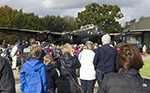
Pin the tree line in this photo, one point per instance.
(105, 16)
(13, 18)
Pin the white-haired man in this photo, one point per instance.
(105, 59)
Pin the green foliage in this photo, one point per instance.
(131, 22)
(105, 16)
(145, 70)
(6, 16)
(12, 18)
(11, 38)
(17, 19)
(72, 24)
(54, 23)
(2, 36)
(26, 21)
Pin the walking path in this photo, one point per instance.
(17, 81)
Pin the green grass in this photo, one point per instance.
(145, 71)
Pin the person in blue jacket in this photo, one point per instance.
(33, 73)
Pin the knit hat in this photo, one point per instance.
(106, 39)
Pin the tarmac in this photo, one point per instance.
(147, 57)
(17, 77)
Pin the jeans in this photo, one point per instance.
(99, 77)
(87, 85)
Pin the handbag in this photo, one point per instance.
(79, 89)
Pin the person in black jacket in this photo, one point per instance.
(26, 51)
(105, 59)
(7, 82)
(71, 63)
(128, 80)
(51, 74)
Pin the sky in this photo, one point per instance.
(131, 9)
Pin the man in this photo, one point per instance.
(26, 51)
(7, 82)
(105, 59)
(14, 55)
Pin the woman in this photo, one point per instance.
(144, 50)
(33, 73)
(71, 63)
(128, 80)
(87, 71)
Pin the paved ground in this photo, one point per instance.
(17, 77)
(17, 80)
(147, 57)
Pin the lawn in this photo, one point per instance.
(145, 71)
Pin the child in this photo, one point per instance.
(51, 74)
(33, 74)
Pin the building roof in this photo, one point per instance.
(142, 25)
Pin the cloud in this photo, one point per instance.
(136, 12)
(120, 3)
(132, 9)
(59, 4)
(72, 12)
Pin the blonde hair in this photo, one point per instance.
(35, 51)
(89, 45)
(47, 59)
(67, 49)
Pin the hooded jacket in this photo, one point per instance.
(126, 81)
(65, 83)
(51, 76)
(33, 77)
(72, 63)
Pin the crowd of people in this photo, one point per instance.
(67, 68)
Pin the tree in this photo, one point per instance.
(17, 21)
(6, 16)
(105, 16)
(71, 23)
(131, 22)
(13, 18)
(30, 21)
(54, 23)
